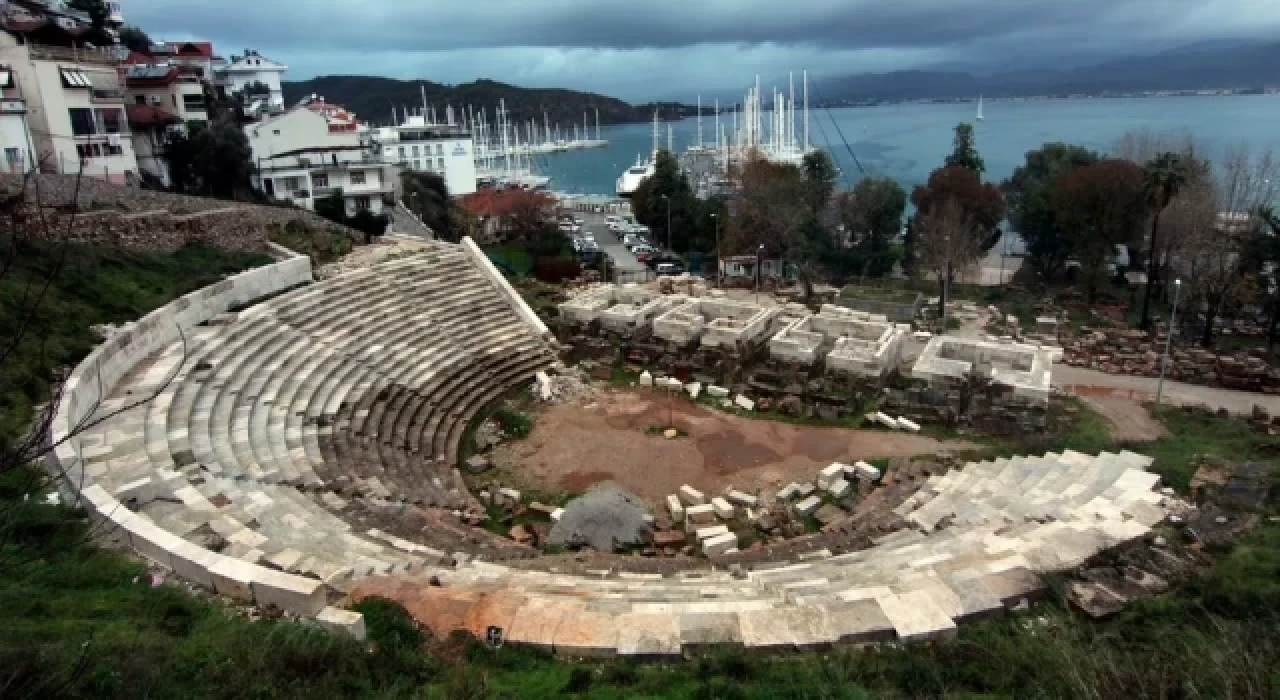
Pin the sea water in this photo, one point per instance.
(907, 141)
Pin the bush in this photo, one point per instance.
(514, 423)
(556, 270)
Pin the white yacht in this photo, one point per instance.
(636, 174)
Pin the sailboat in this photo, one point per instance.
(979, 117)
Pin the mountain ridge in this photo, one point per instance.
(372, 98)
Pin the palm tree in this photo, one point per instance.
(1164, 177)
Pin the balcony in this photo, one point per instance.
(13, 105)
(41, 52)
(106, 96)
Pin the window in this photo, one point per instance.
(289, 184)
(402, 155)
(417, 165)
(193, 103)
(113, 150)
(140, 99)
(440, 164)
(74, 78)
(439, 149)
(112, 120)
(357, 177)
(415, 152)
(13, 156)
(81, 121)
(362, 203)
(319, 180)
(83, 150)
(6, 77)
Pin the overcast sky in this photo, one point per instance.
(645, 49)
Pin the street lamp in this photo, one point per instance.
(946, 284)
(716, 220)
(1168, 340)
(667, 199)
(759, 271)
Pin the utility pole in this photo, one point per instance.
(1168, 340)
(716, 220)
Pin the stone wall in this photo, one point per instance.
(1135, 352)
(990, 408)
(138, 219)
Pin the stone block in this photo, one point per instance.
(742, 499)
(704, 533)
(646, 379)
(340, 621)
(724, 509)
(717, 392)
(839, 488)
(304, 596)
(543, 384)
(744, 403)
(908, 424)
(866, 471)
(676, 508)
(140, 491)
(808, 506)
(887, 420)
(557, 514)
(509, 495)
(804, 489)
(720, 544)
(233, 577)
(692, 496)
(670, 384)
(788, 492)
(915, 617)
(694, 389)
(669, 538)
(830, 474)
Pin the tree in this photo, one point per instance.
(820, 179)
(965, 153)
(334, 208)
(1028, 194)
(135, 40)
(99, 33)
(956, 215)
(872, 216)
(427, 196)
(211, 160)
(1163, 178)
(523, 216)
(1230, 225)
(667, 187)
(1100, 206)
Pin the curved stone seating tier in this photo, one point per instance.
(267, 422)
(982, 535)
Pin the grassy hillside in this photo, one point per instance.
(372, 98)
(76, 287)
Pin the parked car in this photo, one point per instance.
(669, 268)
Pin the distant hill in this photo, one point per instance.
(1202, 66)
(372, 98)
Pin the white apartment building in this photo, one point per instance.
(15, 137)
(253, 67)
(315, 149)
(444, 149)
(175, 89)
(74, 106)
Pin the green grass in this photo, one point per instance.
(1194, 434)
(511, 259)
(323, 245)
(86, 286)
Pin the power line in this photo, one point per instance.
(846, 141)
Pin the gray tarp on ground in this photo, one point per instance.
(606, 517)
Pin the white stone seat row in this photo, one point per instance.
(912, 585)
(247, 411)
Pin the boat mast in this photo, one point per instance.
(597, 123)
(699, 121)
(806, 111)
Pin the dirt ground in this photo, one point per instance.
(1130, 420)
(574, 446)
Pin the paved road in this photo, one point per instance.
(1083, 381)
(623, 260)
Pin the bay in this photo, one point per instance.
(907, 141)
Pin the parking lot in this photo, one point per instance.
(627, 267)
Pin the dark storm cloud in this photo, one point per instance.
(602, 40)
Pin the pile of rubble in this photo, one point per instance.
(1135, 352)
(563, 385)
